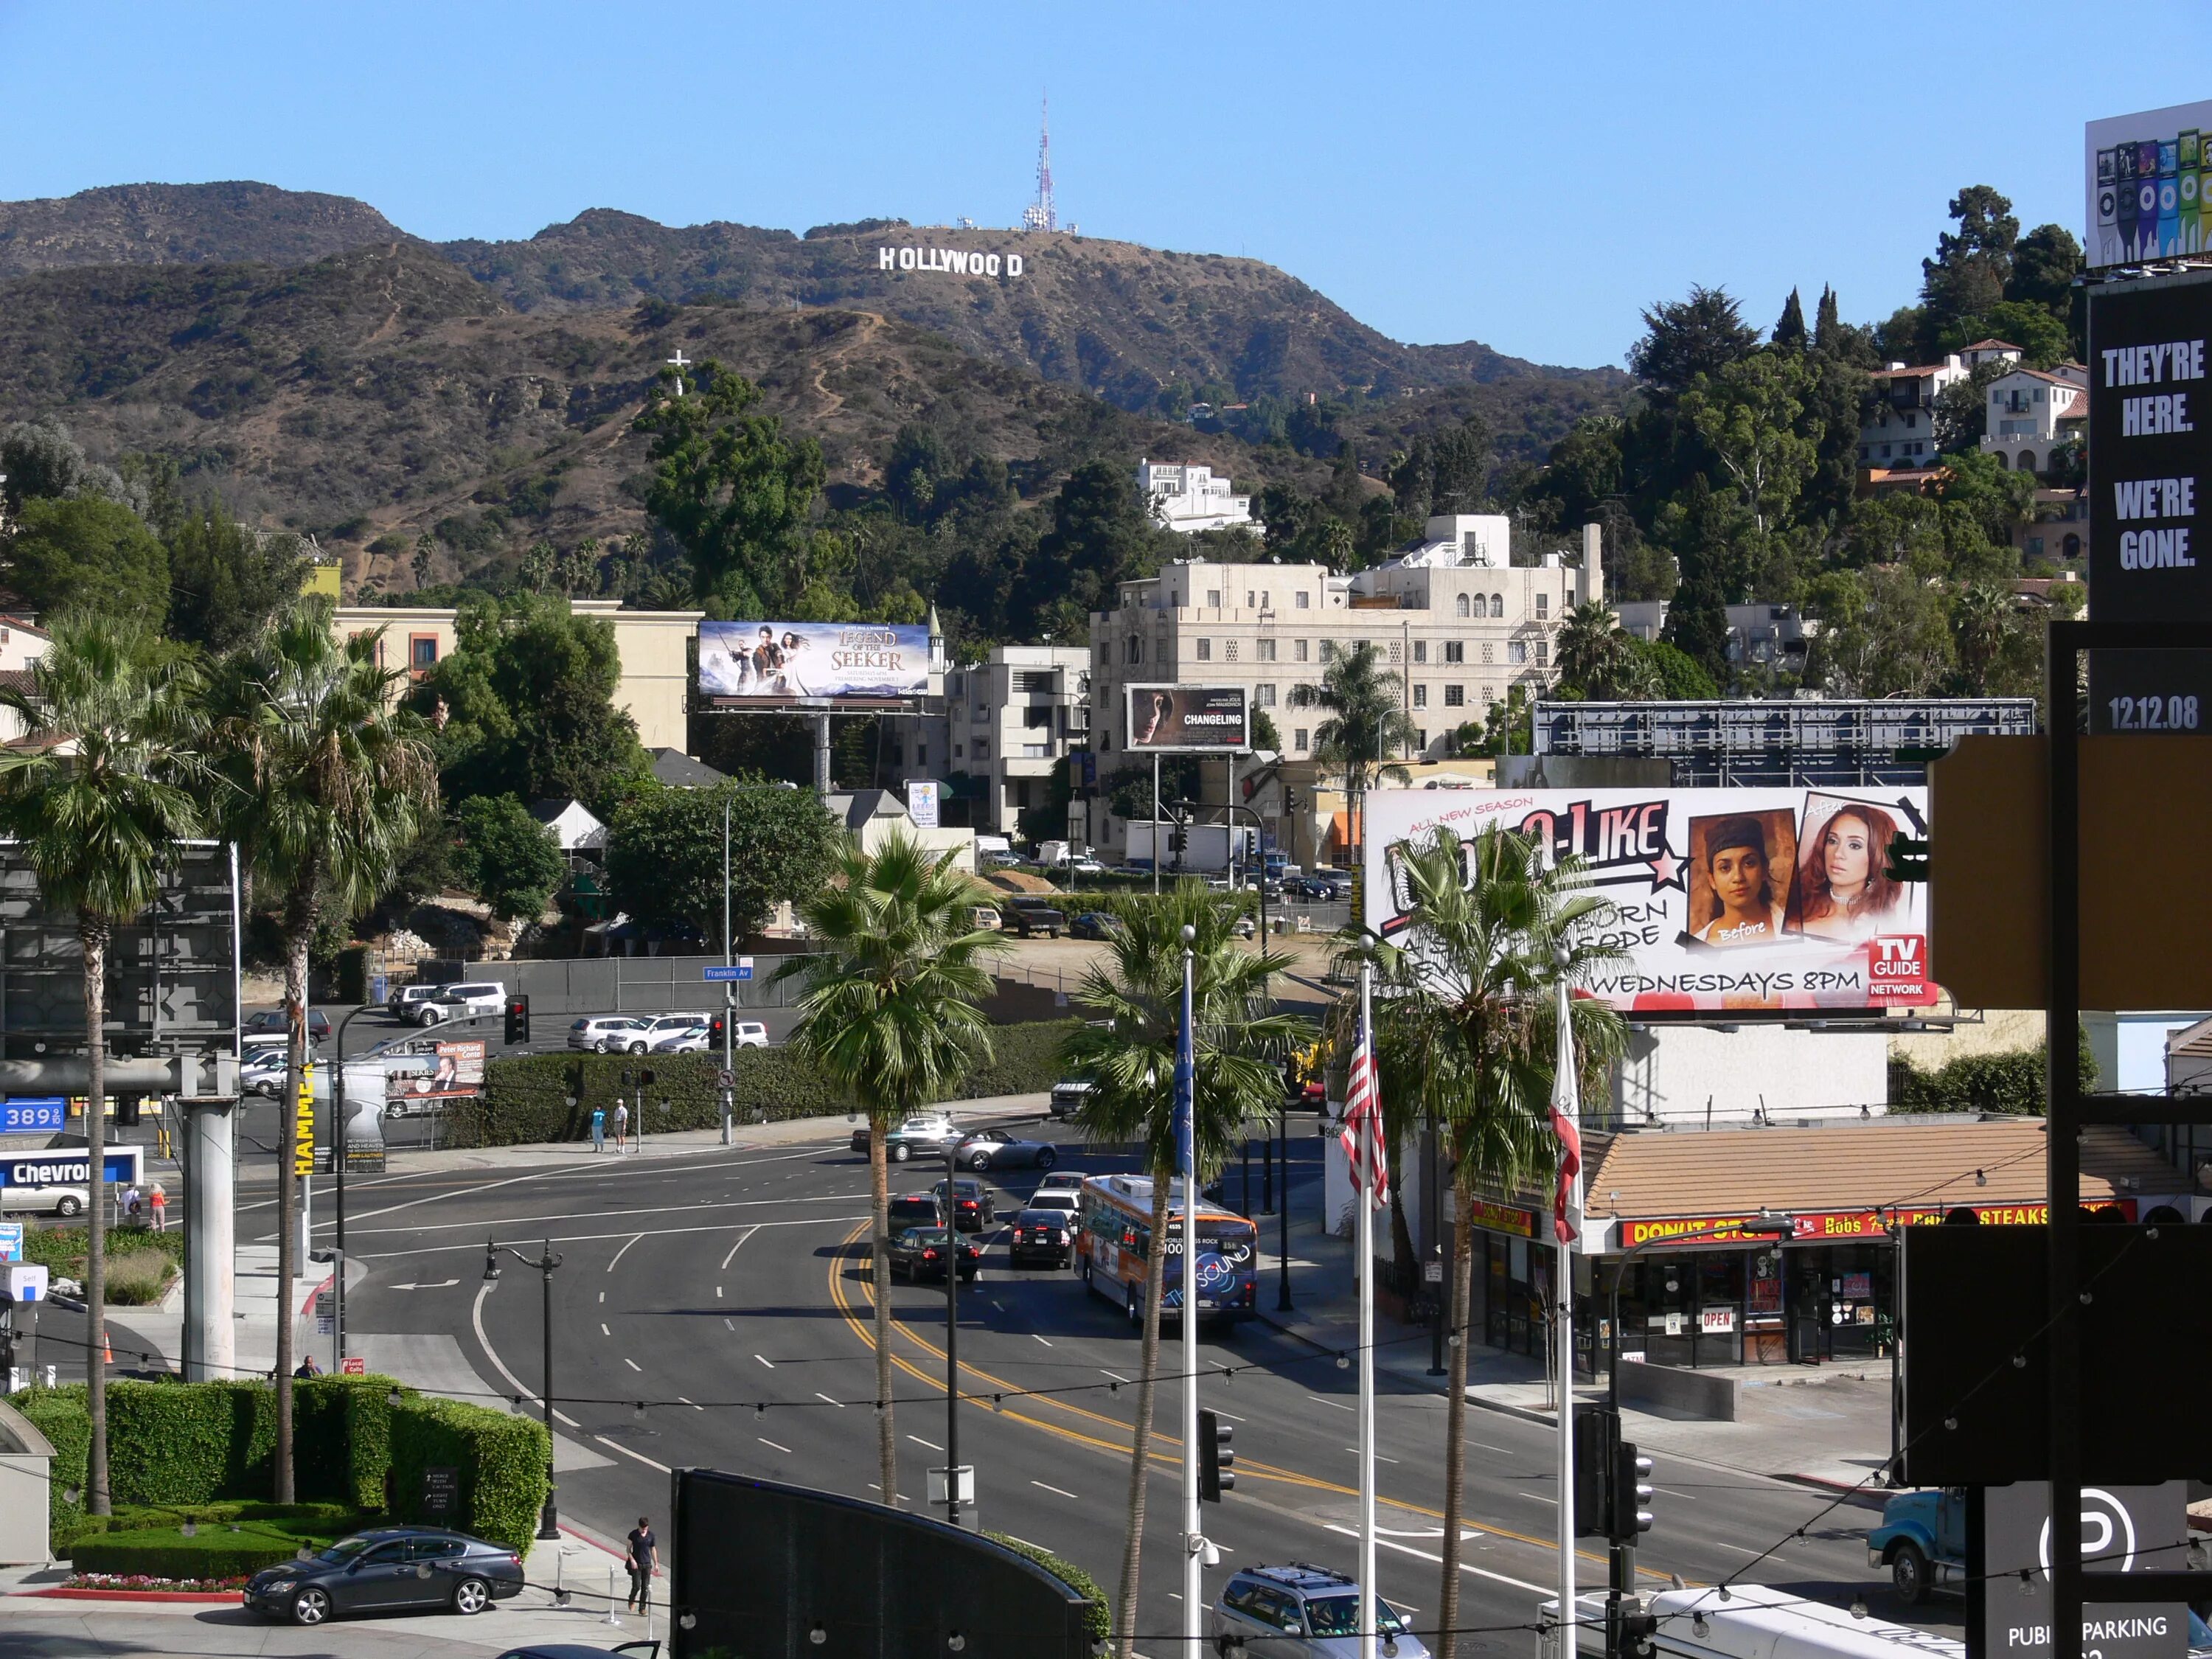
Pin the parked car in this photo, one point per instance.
(1087, 866)
(270, 1022)
(1041, 1235)
(973, 1207)
(1069, 1094)
(606, 1034)
(469, 1001)
(1034, 921)
(406, 1001)
(684, 1039)
(984, 918)
(1002, 860)
(261, 1070)
(648, 1648)
(1002, 1148)
(1302, 1612)
(749, 1034)
(1094, 923)
(658, 1026)
(390, 1568)
(920, 1253)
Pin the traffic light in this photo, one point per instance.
(717, 1027)
(1908, 858)
(1631, 1490)
(1217, 1460)
(630, 1078)
(1639, 1633)
(518, 1019)
(645, 1078)
(1597, 1442)
(126, 1111)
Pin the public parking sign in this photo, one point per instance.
(722, 972)
(2123, 1529)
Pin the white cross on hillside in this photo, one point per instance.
(679, 363)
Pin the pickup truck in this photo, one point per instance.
(1922, 1540)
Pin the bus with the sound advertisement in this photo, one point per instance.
(1114, 1241)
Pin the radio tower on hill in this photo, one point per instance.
(1040, 214)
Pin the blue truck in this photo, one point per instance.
(1922, 1541)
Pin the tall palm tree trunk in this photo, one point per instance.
(1461, 1275)
(1156, 1256)
(879, 1202)
(93, 936)
(298, 934)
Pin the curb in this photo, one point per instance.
(63, 1592)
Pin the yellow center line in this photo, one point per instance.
(1262, 1471)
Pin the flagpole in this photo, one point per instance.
(1186, 1083)
(1567, 1224)
(1364, 1199)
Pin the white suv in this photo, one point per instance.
(667, 1025)
(607, 1033)
(406, 1001)
(460, 1002)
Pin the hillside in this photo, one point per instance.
(384, 391)
(1142, 327)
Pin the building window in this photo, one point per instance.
(1267, 650)
(982, 750)
(1543, 606)
(1466, 607)
(1021, 791)
(1487, 648)
(1035, 682)
(1329, 650)
(422, 653)
(1420, 696)
(1304, 599)
(1136, 649)
(1302, 696)
(921, 754)
(958, 751)
(1231, 651)
(1454, 651)
(1455, 697)
(1516, 651)
(1498, 604)
(1298, 740)
(1544, 653)
(1214, 597)
(1251, 599)
(1037, 719)
(1263, 696)
(1420, 651)
(1206, 650)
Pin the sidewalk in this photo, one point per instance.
(1827, 1427)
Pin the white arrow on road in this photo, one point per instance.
(438, 1285)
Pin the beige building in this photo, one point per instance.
(654, 647)
(21, 645)
(1007, 722)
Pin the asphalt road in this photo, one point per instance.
(714, 1311)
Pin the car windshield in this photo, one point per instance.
(346, 1548)
(1042, 1219)
(928, 1236)
(1338, 1615)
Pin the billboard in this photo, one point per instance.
(922, 802)
(450, 1070)
(1182, 719)
(773, 663)
(1721, 900)
(2145, 178)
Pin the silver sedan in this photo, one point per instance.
(1003, 1148)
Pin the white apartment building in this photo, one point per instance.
(1008, 721)
(1189, 498)
(2031, 412)
(1451, 618)
(1900, 432)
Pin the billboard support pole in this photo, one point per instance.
(1156, 823)
(2062, 1040)
(822, 753)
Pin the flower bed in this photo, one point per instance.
(139, 1582)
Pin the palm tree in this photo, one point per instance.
(1466, 1026)
(103, 787)
(890, 1017)
(1366, 723)
(1598, 658)
(1128, 1050)
(330, 782)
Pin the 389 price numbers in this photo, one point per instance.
(2173, 714)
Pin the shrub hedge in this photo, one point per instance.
(1101, 1619)
(502, 1461)
(217, 1549)
(2013, 1083)
(526, 1098)
(60, 1415)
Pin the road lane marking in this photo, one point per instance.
(742, 1238)
(1671, 1492)
(839, 1404)
(1048, 1345)
(1231, 1416)
(762, 1357)
(1123, 1379)
(1379, 1458)
(1535, 1496)
(440, 1286)
(601, 1215)
(681, 1400)
(1055, 1490)
(613, 1445)
(635, 1236)
(476, 1318)
(718, 1292)
(602, 1295)
(604, 1331)
(1464, 1566)
(592, 1238)
(1323, 1399)
(919, 1441)
(633, 1365)
(772, 1446)
(727, 1324)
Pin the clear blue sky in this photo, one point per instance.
(1530, 176)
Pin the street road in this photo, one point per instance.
(713, 1310)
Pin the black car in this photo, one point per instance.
(1094, 923)
(1041, 1235)
(648, 1648)
(973, 1206)
(388, 1569)
(1035, 921)
(270, 1022)
(915, 1210)
(920, 1253)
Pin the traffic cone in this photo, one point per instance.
(107, 1347)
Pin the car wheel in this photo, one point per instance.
(1046, 1157)
(637, 1047)
(68, 1206)
(1908, 1574)
(899, 1153)
(311, 1605)
(600, 1047)
(471, 1596)
(979, 1161)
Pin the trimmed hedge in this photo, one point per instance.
(503, 1461)
(1100, 1618)
(2012, 1083)
(526, 1097)
(60, 1415)
(214, 1551)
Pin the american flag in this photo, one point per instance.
(1363, 1104)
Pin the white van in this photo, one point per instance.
(461, 1002)
(1754, 1622)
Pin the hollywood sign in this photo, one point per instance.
(958, 261)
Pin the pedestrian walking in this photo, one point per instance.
(130, 1204)
(644, 1557)
(158, 1202)
(622, 1125)
(598, 1128)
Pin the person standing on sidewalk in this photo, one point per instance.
(643, 1562)
(598, 1128)
(159, 1201)
(622, 1125)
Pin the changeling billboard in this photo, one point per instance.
(1172, 719)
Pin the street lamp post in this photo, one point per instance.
(548, 1523)
(951, 1213)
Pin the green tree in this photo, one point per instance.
(529, 692)
(1100, 535)
(40, 460)
(87, 552)
(1596, 658)
(98, 792)
(1789, 329)
(506, 858)
(2043, 267)
(1748, 413)
(330, 784)
(227, 581)
(1884, 632)
(1685, 338)
(889, 1017)
(1459, 467)
(1674, 674)
(1466, 1030)
(1367, 725)
(1696, 626)
(729, 487)
(1974, 262)
(1133, 1000)
(665, 856)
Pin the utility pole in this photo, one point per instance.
(1195, 1546)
